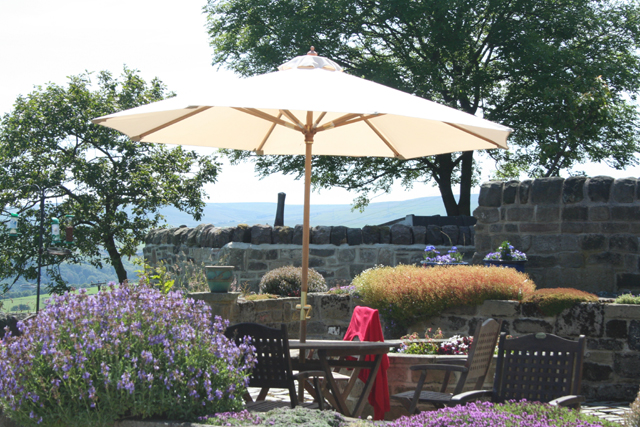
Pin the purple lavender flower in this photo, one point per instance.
(94, 352)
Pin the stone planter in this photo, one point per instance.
(219, 277)
(518, 265)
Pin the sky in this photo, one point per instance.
(45, 41)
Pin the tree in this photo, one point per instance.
(557, 71)
(113, 186)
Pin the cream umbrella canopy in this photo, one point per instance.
(310, 106)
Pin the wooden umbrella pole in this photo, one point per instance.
(305, 240)
(305, 252)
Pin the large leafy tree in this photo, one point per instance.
(559, 72)
(113, 186)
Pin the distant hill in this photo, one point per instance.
(230, 214)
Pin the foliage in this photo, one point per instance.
(628, 299)
(286, 281)
(156, 276)
(552, 301)
(188, 278)
(406, 293)
(506, 252)
(124, 352)
(511, 414)
(556, 71)
(632, 418)
(21, 307)
(412, 344)
(433, 255)
(279, 417)
(343, 290)
(112, 185)
(259, 297)
(436, 344)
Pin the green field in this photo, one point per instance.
(14, 304)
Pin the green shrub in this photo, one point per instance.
(552, 301)
(280, 417)
(628, 299)
(89, 360)
(286, 281)
(632, 418)
(405, 294)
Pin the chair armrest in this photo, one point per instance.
(438, 367)
(469, 396)
(569, 400)
(306, 374)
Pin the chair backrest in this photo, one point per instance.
(364, 325)
(273, 360)
(481, 353)
(538, 367)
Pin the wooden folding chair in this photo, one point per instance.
(475, 368)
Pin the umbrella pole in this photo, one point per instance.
(305, 241)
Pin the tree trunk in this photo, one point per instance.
(466, 178)
(442, 175)
(116, 259)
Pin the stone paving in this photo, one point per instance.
(610, 411)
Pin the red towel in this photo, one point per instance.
(365, 324)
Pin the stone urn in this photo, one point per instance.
(219, 277)
(518, 265)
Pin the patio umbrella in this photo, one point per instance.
(309, 106)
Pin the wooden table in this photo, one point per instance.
(331, 354)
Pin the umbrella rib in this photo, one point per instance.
(384, 139)
(262, 115)
(291, 117)
(266, 137)
(172, 122)
(347, 119)
(473, 133)
(320, 117)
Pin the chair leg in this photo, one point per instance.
(316, 384)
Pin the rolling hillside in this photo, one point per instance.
(229, 214)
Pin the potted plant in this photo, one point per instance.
(432, 257)
(506, 256)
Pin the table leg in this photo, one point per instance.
(340, 404)
(357, 410)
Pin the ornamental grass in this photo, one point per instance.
(126, 352)
(552, 301)
(405, 294)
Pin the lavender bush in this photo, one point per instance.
(125, 352)
(512, 414)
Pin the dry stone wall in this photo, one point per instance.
(577, 232)
(338, 253)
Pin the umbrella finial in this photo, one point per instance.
(312, 52)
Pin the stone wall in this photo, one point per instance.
(338, 253)
(612, 359)
(577, 232)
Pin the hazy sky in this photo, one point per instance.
(44, 41)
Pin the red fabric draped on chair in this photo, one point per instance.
(365, 324)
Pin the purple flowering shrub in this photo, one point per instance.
(125, 352)
(512, 414)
